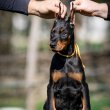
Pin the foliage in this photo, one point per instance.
(13, 102)
(96, 104)
(100, 103)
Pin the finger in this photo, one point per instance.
(58, 8)
(61, 8)
(75, 3)
(71, 5)
(63, 14)
(77, 8)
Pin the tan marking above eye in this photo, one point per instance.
(61, 29)
(76, 76)
(57, 75)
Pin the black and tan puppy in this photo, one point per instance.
(67, 88)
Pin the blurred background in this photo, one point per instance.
(25, 59)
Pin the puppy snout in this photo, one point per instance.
(52, 45)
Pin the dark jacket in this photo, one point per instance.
(20, 6)
(108, 16)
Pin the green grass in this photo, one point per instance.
(100, 103)
(43, 46)
(15, 102)
(97, 103)
(93, 47)
(39, 105)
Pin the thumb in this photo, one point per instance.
(75, 3)
(77, 8)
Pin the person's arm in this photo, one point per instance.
(108, 15)
(19, 6)
(91, 8)
(45, 9)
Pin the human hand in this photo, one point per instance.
(46, 9)
(90, 8)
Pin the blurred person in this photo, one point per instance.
(91, 8)
(44, 9)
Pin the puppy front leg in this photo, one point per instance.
(85, 98)
(83, 103)
(52, 100)
(54, 108)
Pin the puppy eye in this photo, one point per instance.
(64, 33)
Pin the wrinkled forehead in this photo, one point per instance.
(61, 23)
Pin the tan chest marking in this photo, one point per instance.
(75, 76)
(57, 75)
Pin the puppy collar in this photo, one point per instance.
(76, 51)
(69, 56)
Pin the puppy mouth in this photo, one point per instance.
(56, 49)
(59, 46)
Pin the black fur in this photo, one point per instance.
(66, 91)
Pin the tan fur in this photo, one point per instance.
(53, 102)
(84, 104)
(57, 75)
(75, 76)
(62, 44)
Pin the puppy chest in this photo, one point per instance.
(66, 77)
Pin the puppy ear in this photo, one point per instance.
(58, 15)
(71, 17)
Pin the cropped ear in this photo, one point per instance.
(58, 15)
(71, 17)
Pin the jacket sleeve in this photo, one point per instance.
(19, 6)
(108, 15)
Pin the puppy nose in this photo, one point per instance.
(52, 45)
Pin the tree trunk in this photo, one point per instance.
(32, 57)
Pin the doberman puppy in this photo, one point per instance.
(67, 88)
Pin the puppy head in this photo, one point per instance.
(61, 34)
